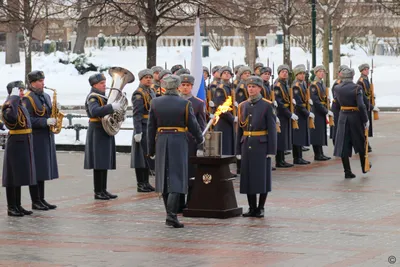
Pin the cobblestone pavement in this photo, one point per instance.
(314, 217)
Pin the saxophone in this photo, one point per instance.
(55, 113)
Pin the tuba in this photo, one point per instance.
(55, 113)
(120, 77)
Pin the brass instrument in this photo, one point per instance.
(55, 113)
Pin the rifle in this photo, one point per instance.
(278, 126)
(295, 124)
(165, 65)
(267, 62)
(184, 63)
(366, 162)
(311, 123)
(308, 74)
(208, 97)
(372, 89)
(331, 122)
(273, 73)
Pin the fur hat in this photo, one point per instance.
(176, 68)
(283, 67)
(318, 68)
(187, 78)
(236, 68)
(35, 75)
(96, 78)
(144, 73)
(11, 85)
(299, 69)
(342, 67)
(157, 69)
(265, 69)
(347, 73)
(215, 69)
(363, 67)
(225, 68)
(182, 71)
(254, 80)
(243, 70)
(163, 73)
(206, 70)
(171, 82)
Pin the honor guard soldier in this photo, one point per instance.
(301, 136)
(170, 118)
(353, 122)
(366, 86)
(237, 77)
(257, 68)
(320, 101)
(100, 147)
(19, 163)
(216, 79)
(256, 144)
(161, 90)
(198, 105)
(140, 160)
(182, 71)
(266, 92)
(334, 107)
(206, 73)
(175, 68)
(156, 79)
(241, 89)
(285, 117)
(39, 106)
(227, 119)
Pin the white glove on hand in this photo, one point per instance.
(366, 125)
(211, 104)
(239, 157)
(212, 116)
(310, 102)
(295, 117)
(294, 101)
(236, 104)
(330, 113)
(312, 115)
(15, 91)
(376, 109)
(116, 106)
(4, 127)
(138, 137)
(51, 121)
(199, 153)
(278, 121)
(275, 104)
(153, 157)
(235, 120)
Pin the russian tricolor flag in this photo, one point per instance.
(196, 68)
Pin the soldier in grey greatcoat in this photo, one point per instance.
(199, 107)
(156, 86)
(256, 144)
(140, 160)
(353, 122)
(38, 103)
(237, 77)
(301, 136)
(241, 90)
(319, 135)
(19, 162)
(170, 118)
(175, 68)
(334, 107)
(266, 92)
(285, 117)
(100, 147)
(257, 68)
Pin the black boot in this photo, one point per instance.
(252, 200)
(319, 154)
(146, 173)
(172, 209)
(182, 203)
(298, 156)
(141, 186)
(98, 186)
(238, 163)
(41, 193)
(12, 203)
(104, 185)
(18, 201)
(282, 163)
(369, 149)
(347, 168)
(362, 160)
(261, 204)
(323, 156)
(35, 197)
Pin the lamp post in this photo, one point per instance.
(314, 33)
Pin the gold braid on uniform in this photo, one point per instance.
(37, 111)
(319, 92)
(242, 124)
(21, 120)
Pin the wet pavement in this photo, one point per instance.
(314, 217)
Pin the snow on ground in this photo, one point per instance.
(72, 87)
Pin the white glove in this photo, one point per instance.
(366, 125)
(235, 120)
(15, 91)
(4, 127)
(51, 121)
(330, 113)
(275, 104)
(138, 137)
(312, 115)
(239, 157)
(236, 104)
(153, 157)
(278, 121)
(295, 117)
(270, 156)
(376, 109)
(199, 153)
(211, 104)
(212, 116)
(116, 106)
(310, 102)
(294, 101)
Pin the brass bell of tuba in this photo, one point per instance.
(120, 77)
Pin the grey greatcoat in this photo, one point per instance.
(266, 91)
(301, 136)
(282, 97)
(99, 147)
(39, 106)
(350, 131)
(335, 110)
(319, 135)
(255, 174)
(19, 162)
(141, 100)
(226, 120)
(241, 92)
(367, 96)
(170, 145)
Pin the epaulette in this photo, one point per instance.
(214, 82)
(297, 84)
(199, 99)
(221, 86)
(27, 93)
(361, 79)
(152, 86)
(242, 86)
(139, 90)
(278, 84)
(266, 100)
(314, 82)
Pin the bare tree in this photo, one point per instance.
(12, 42)
(391, 5)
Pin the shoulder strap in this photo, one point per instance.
(38, 112)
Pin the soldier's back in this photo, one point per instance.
(170, 110)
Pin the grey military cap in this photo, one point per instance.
(182, 71)
(187, 78)
(157, 69)
(225, 68)
(283, 67)
(347, 73)
(207, 70)
(243, 70)
(215, 69)
(363, 67)
(255, 80)
(236, 68)
(96, 78)
(342, 67)
(258, 65)
(163, 73)
(299, 69)
(144, 73)
(265, 69)
(318, 68)
(170, 82)
(175, 68)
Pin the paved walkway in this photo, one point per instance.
(314, 217)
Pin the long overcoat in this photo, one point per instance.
(367, 96)
(319, 135)
(335, 110)
(301, 136)
(283, 99)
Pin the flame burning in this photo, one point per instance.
(225, 107)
